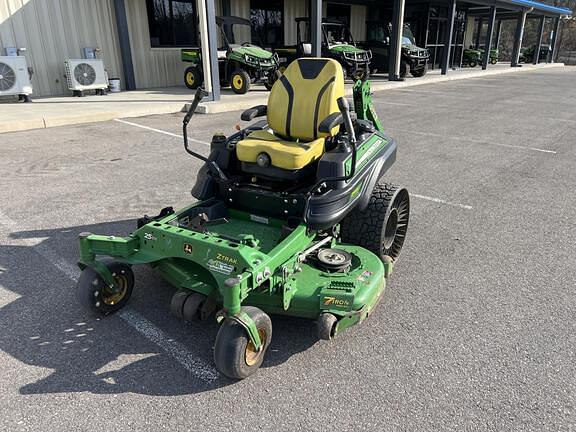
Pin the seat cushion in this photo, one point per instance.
(289, 155)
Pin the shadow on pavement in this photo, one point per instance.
(43, 326)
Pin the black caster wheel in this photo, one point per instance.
(326, 326)
(96, 296)
(177, 303)
(234, 353)
(192, 307)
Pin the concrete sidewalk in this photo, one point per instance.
(59, 111)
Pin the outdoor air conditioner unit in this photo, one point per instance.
(86, 74)
(14, 77)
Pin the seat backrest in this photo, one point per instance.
(305, 94)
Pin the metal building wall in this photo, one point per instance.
(55, 30)
(292, 10)
(358, 22)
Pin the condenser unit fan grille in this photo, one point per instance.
(7, 77)
(84, 74)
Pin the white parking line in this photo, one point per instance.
(441, 201)
(176, 350)
(160, 131)
(460, 138)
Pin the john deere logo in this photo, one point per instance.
(335, 301)
(188, 248)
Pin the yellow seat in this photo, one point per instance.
(283, 154)
(300, 99)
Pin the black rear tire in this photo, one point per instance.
(192, 306)
(381, 227)
(234, 354)
(403, 69)
(96, 296)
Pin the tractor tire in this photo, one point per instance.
(419, 72)
(381, 227)
(472, 63)
(240, 81)
(234, 354)
(192, 77)
(94, 294)
(493, 61)
(403, 69)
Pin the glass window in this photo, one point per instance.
(266, 19)
(172, 23)
(338, 12)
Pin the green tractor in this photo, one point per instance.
(292, 218)
(472, 57)
(239, 63)
(378, 43)
(337, 43)
(493, 59)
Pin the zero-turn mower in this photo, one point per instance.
(291, 219)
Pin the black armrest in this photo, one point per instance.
(330, 122)
(251, 113)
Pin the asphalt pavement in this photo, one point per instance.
(476, 330)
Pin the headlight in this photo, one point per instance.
(250, 59)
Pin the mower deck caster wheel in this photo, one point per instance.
(192, 306)
(234, 353)
(326, 326)
(177, 303)
(96, 296)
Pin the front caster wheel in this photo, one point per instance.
(234, 353)
(96, 296)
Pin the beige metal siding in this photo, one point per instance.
(358, 22)
(54, 30)
(292, 10)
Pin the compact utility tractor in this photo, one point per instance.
(292, 218)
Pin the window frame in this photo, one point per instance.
(266, 43)
(173, 44)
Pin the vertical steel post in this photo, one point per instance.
(448, 42)
(316, 27)
(539, 41)
(498, 33)
(396, 41)
(554, 41)
(488, 40)
(124, 42)
(518, 38)
(208, 42)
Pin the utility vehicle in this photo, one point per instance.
(240, 63)
(378, 43)
(292, 218)
(337, 43)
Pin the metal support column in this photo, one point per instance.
(539, 40)
(396, 41)
(554, 41)
(208, 42)
(518, 39)
(480, 26)
(124, 42)
(498, 33)
(448, 42)
(488, 40)
(316, 27)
